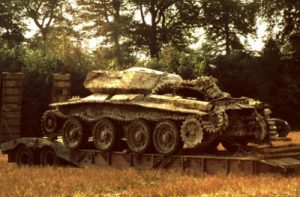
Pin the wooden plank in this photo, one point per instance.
(11, 99)
(11, 131)
(11, 107)
(11, 84)
(61, 84)
(12, 92)
(12, 122)
(58, 77)
(13, 76)
(12, 115)
(62, 98)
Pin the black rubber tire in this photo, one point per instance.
(24, 156)
(283, 128)
(48, 157)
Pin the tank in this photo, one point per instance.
(159, 112)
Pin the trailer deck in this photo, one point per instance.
(253, 160)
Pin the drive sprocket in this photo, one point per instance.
(191, 132)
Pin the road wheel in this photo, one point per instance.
(73, 133)
(166, 138)
(138, 136)
(105, 135)
(24, 156)
(48, 157)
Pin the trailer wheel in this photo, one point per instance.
(24, 156)
(48, 157)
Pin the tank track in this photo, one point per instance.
(203, 85)
(90, 117)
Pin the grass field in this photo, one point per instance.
(68, 181)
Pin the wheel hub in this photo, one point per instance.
(104, 135)
(166, 137)
(138, 136)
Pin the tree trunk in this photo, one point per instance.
(153, 43)
(227, 35)
(116, 35)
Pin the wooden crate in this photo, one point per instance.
(61, 85)
(11, 100)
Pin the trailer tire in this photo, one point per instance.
(48, 157)
(24, 156)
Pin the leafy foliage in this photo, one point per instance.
(107, 19)
(11, 26)
(162, 31)
(226, 21)
(282, 14)
(163, 22)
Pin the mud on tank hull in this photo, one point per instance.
(162, 116)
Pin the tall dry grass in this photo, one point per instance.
(69, 181)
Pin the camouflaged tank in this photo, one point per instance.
(154, 111)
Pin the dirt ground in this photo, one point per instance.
(70, 181)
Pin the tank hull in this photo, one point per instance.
(152, 111)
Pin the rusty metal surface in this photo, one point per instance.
(220, 162)
(157, 97)
(190, 164)
(131, 80)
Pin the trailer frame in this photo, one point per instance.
(281, 159)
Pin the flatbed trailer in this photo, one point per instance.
(44, 151)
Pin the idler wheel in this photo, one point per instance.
(49, 122)
(73, 133)
(104, 134)
(166, 137)
(138, 136)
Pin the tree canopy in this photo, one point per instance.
(188, 37)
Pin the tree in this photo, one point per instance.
(11, 26)
(44, 13)
(108, 19)
(161, 22)
(282, 14)
(226, 21)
